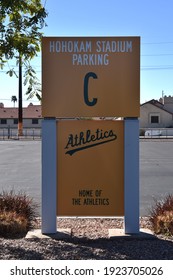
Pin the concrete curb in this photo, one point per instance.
(143, 233)
(60, 234)
(65, 233)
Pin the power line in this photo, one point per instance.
(3, 71)
(148, 68)
(159, 54)
(8, 99)
(157, 43)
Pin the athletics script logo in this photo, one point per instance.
(88, 139)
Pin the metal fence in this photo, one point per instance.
(156, 133)
(36, 133)
(12, 133)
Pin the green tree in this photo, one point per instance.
(21, 22)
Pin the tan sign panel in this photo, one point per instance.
(90, 168)
(91, 76)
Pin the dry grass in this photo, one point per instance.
(161, 216)
(17, 214)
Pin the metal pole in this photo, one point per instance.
(131, 175)
(20, 110)
(49, 176)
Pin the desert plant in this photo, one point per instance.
(12, 224)
(142, 132)
(17, 213)
(161, 216)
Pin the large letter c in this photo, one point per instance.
(86, 81)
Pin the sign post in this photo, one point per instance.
(49, 176)
(90, 167)
(131, 175)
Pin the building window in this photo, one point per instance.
(15, 121)
(3, 121)
(154, 119)
(34, 121)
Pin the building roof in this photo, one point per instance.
(30, 112)
(157, 104)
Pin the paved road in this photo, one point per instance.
(20, 169)
(156, 171)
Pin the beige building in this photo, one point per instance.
(157, 114)
(31, 116)
(167, 102)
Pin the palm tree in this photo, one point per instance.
(14, 99)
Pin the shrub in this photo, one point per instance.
(161, 216)
(12, 224)
(142, 132)
(17, 213)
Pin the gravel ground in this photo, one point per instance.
(89, 241)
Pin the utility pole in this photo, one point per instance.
(20, 109)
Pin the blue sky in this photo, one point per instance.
(150, 19)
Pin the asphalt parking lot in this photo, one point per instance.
(156, 171)
(20, 169)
